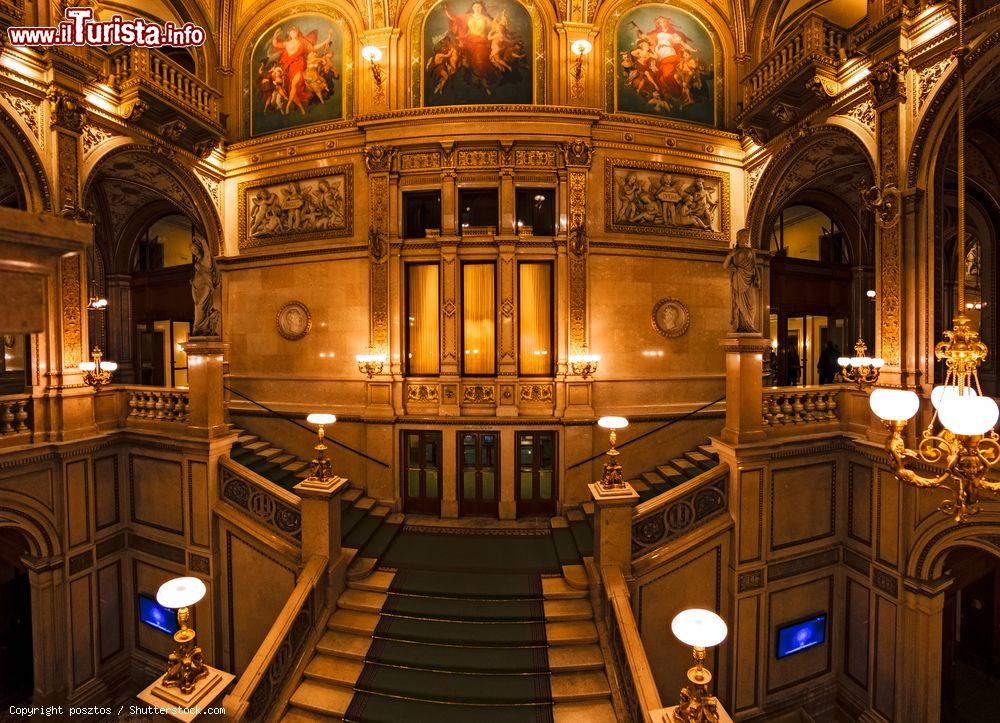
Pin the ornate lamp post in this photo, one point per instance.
(185, 666)
(861, 369)
(701, 629)
(585, 364)
(611, 480)
(371, 363)
(322, 466)
(97, 372)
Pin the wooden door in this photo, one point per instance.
(536, 488)
(478, 473)
(422, 472)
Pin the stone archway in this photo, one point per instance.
(44, 564)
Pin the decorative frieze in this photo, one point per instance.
(478, 158)
(479, 394)
(417, 161)
(422, 393)
(72, 324)
(27, 110)
(863, 113)
(536, 393)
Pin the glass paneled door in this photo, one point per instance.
(422, 472)
(478, 473)
(536, 477)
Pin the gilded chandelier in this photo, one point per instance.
(967, 444)
(860, 369)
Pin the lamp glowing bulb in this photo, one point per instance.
(321, 419)
(371, 53)
(968, 415)
(895, 405)
(612, 422)
(699, 628)
(581, 47)
(181, 592)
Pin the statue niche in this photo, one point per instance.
(744, 284)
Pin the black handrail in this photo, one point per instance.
(651, 431)
(299, 424)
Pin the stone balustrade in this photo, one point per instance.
(162, 404)
(783, 406)
(15, 415)
(136, 65)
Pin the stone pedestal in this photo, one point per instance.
(205, 356)
(666, 715)
(321, 516)
(744, 388)
(613, 525)
(172, 703)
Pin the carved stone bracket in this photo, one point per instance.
(578, 153)
(888, 79)
(379, 158)
(67, 112)
(883, 202)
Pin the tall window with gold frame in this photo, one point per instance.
(423, 319)
(479, 318)
(535, 319)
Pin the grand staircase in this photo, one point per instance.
(492, 632)
(677, 471)
(365, 526)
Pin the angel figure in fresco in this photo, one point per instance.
(663, 66)
(299, 57)
(483, 46)
(271, 86)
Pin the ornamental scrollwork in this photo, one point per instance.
(67, 111)
(888, 79)
(679, 516)
(261, 505)
(378, 158)
(577, 153)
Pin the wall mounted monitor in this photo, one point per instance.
(801, 635)
(156, 616)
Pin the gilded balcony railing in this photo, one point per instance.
(635, 678)
(800, 406)
(135, 66)
(814, 40)
(256, 691)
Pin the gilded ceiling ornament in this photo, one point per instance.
(883, 202)
(93, 136)
(864, 113)
(173, 130)
(671, 317)
(293, 320)
(27, 110)
(888, 79)
(784, 112)
(823, 87)
(203, 149)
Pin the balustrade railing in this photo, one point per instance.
(816, 39)
(797, 406)
(173, 81)
(256, 690)
(15, 415)
(635, 678)
(680, 510)
(260, 499)
(161, 404)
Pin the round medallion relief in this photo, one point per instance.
(294, 320)
(671, 317)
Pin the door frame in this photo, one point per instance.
(536, 507)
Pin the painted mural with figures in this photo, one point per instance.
(665, 65)
(477, 52)
(669, 200)
(297, 66)
(297, 208)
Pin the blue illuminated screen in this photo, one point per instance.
(805, 634)
(157, 616)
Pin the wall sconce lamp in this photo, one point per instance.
(185, 666)
(373, 54)
(611, 480)
(861, 369)
(579, 48)
(700, 629)
(96, 301)
(97, 372)
(584, 365)
(371, 363)
(322, 466)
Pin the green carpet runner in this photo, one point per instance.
(461, 635)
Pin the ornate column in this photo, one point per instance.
(918, 670)
(888, 81)
(206, 396)
(48, 619)
(577, 155)
(378, 164)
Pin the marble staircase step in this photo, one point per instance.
(581, 685)
(589, 711)
(334, 670)
(706, 449)
(344, 645)
(318, 697)
(297, 715)
(688, 469)
(580, 632)
(700, 460)
(671, 475)
(352, 621)
(556, 588)
(361, 600)
(378, 581)
(566, 658)
(567, 610)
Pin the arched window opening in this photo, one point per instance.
(16, 650)
(161, 300)
(813, 320)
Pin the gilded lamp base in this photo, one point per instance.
(186, 707)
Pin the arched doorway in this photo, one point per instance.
(807, 213)
(16, 349)
(146, 212)
(16, 650)
(970, 657)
